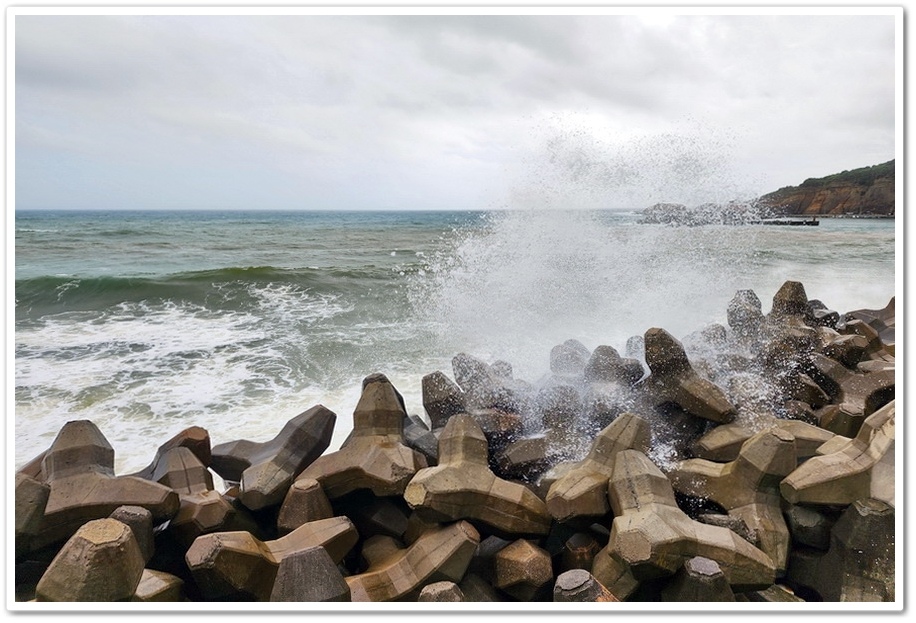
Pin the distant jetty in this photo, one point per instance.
(807, 222)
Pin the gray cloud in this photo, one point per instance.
(441, 111)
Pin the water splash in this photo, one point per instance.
(533, 279)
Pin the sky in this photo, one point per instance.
(443, 111)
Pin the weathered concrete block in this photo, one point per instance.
(394, 573)
(578, 585)
(31, 497)
(418, 437)
(699, 580)
(79, 468)
(202, 510)
(569, 358)
(483, 388)
(673, 380)
(582, 490)
(860, 564)
(602, 403)
(747, 487)
(857, 395)
(140, 521)
(790, 300)
(179, 469)
(744, 313)
(523, 570)
(374, 515)
(607, 366)
(374, 456)
(499, 427)
(100, 562)
(579, 552)
(159, 586)
(558, 408)
(863, 467)
(735, 524)
(800, 411)
(817, 315)
(875, 349)
(786, 344)
(799, 386)
(309, 574)
(482, 560)
(654, 538)
(847, 349)
(442, 398)
(266, 470)
(615, 574)
(774, 594)
(305, 501)
(723, 443)
(195, 439)
(475, 588)
(441, 591)
(463, 487)
(235, 566)
(526, 458)
(883, 321)
(808, 526)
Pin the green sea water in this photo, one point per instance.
(150, 322)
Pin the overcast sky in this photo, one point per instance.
(429, 112)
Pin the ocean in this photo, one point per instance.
(150, 322)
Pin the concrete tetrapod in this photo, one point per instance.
(523, 570)
(651, 537)
(235, 566)
(699, 580)
(79, 468)
(374, 456)
(883, 321)
(194, 438)
(441, 591)
(859, 565)
(463, 487)
(580, 585)
(582, 489)
(856, 395)
(441, 553)
(442, 398)
(202, 509)
(158, 586)
(100, 562)
(31, 497)
(723, 443)
(862, 467)
(748, 487)
(673, 380)
(309, 575)
(266, 470)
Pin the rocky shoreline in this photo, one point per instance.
(747, 463)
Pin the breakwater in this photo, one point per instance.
(749, 462)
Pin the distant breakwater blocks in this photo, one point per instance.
(752, 462)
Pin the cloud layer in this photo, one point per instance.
(429, 112)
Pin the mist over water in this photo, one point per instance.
(535, 279)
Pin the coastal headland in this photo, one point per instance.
(868, 192)
(752, 462)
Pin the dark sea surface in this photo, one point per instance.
(149, 322)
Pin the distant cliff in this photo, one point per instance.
(865, 191)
